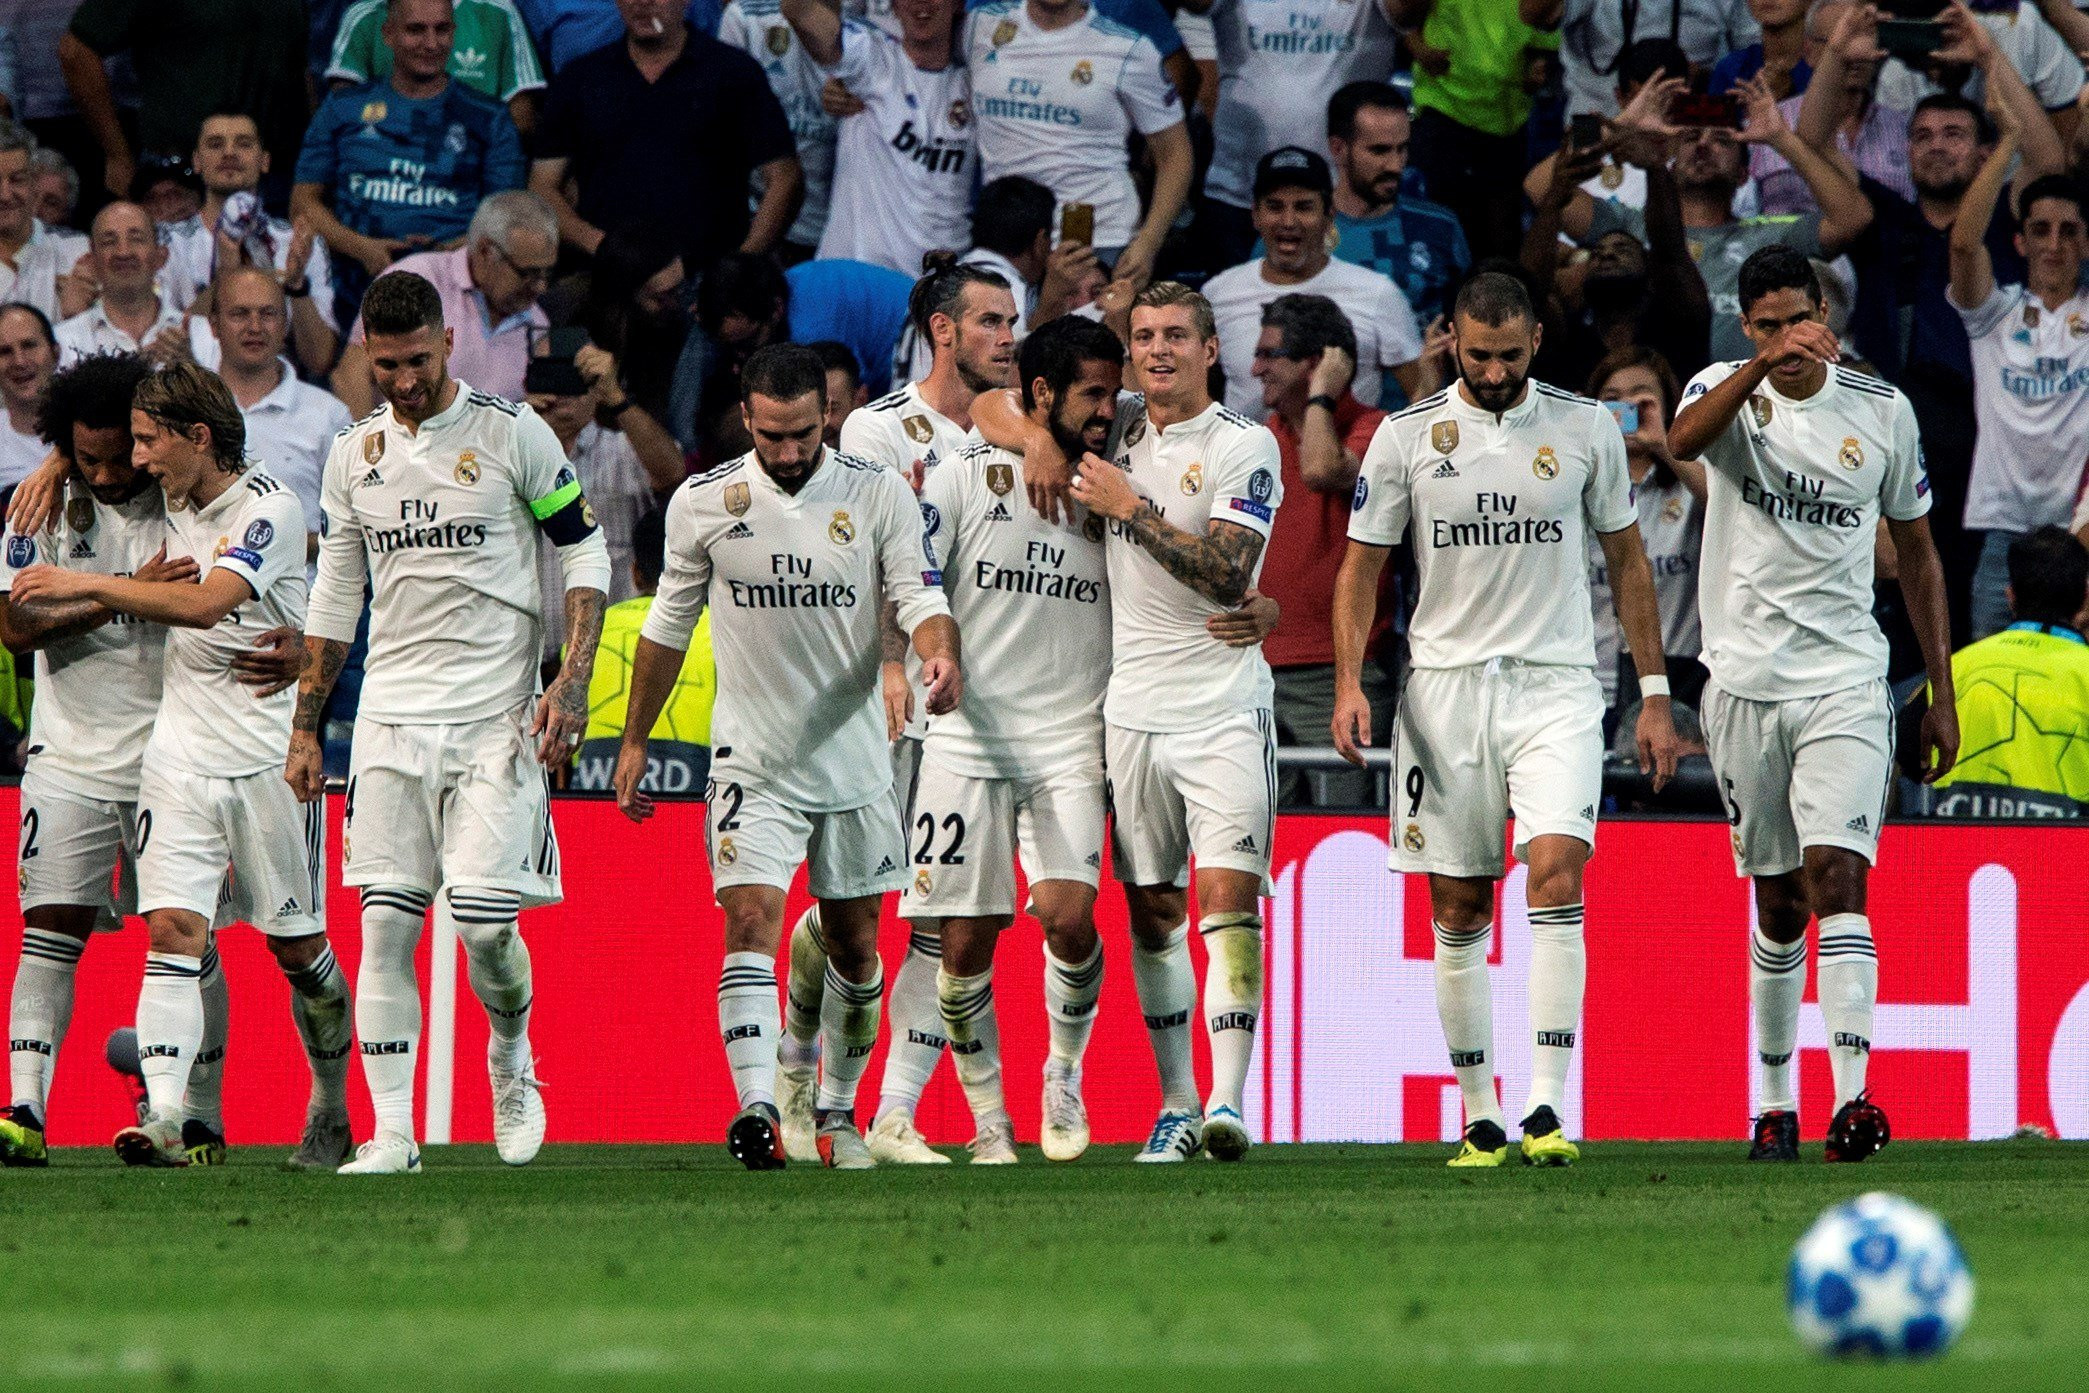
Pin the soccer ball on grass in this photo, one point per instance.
(1880, 1277)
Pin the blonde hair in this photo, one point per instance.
(1162, 294)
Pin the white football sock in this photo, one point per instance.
(205, 1098)
(498, 962)
(917, 1040)
(800, 1046)
(749, 1025)
(319, 1004)
(1558, 977)
(849, 1014)
(1465, 1005)
(1232, 1000)
(1167, 989)
(388, 1003)
(1849, 988)
(41, 1009)
(975, 1039)
(1776, 984)
(170, 1028)
(1071, 991)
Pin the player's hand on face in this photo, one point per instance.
(35, 502)
(160, 570)
(274, 663)
(1351, 726)
(945, 683)
(1809, 338)
(1658, 745)
(632, 801)
(899, 698)
(1102, 488)
(1939, 742)
(562, 717)
(838, 101)
(305, 768)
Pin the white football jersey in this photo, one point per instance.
(1032, 599)
(795, 584)
(2031, 397)
(209, 722)
(1795, 490)
(1671, 529)
(98, 692)
(1278, 62)
(758, 29)
(901, 430)
(904, 165)
(1055, 105)
(1169, 674)
(1500, 512)
(443, 523)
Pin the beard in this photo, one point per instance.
(1943, 190)
(1495, 399)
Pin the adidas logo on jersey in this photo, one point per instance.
(885, 866)
(288, 906)
(1095, 859)
(372, 479)
(998, 513)
(82, 550)
(1859, 823)
(1245, 844)
(739, 532)
(1445, 470)
(1589, 813)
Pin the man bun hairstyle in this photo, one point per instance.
(183, 396)
(1056, 350)
(400, 302)
(784, 372)
(941, 289)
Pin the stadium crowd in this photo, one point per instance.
(621, 200)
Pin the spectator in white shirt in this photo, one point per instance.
(32, 256)
(132, 314)
(290, 424)
(1294, 213)
(28, 357)
(55, 187)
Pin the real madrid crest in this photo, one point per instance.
(1193, 481)
(373, 112)
(841, 531)
(467, 470)
(1546, 465)
(1852, 456)
(79, 513)
(960, 114)
(727, 852)
(2030, 316)
(2077, 325)
(1000, 479)
(923, 882)
(1135, 432)
(1612, 176)
(1412, 837)
(1672, 510)
(373, 447)
(1760, 405)
(779, 39)
(918, 429)
(1443, 437)
(736, 500)
(1084, 72)
(1003, 32)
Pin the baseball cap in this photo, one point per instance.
(1293, 167)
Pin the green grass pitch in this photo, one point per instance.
(1306, 1268)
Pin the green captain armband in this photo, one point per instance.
(563, 515)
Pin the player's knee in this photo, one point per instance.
(1155, 914)
(1557, 884)
(297, 954)
(172, 931)
(1070, 933)
(1835, 880)
(1781, 909)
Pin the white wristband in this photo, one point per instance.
(1653, 686)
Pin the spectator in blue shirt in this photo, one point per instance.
(1417, 244)
(400, 166)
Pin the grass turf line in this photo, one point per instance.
(1646, 1266)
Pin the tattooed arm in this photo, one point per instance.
(562, 712)
(303, 770)
(1220, 565)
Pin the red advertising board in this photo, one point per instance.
(1983, 1023)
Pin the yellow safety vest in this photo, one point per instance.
(2023, 711)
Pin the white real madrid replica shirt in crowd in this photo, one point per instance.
(758, 29)
(1376, 308)
(209, 722)
(904, 165)
(1168, 674)
(19, 453)
(1795, 492)
(96, 692)
(1279, 62)
(442, 522)
(1671, 528)
(795, 584)
(1032, 601)
(1056, 105)
(2031, 397)
(1500, 510)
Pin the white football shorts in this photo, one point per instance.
(76, 850)
(436, 805)
(1812, 771)
(753, 839)
(966, 833)
(1474, 746)
(192, 829)
(1209, 793)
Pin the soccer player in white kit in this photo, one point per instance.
(208, 798)
(435, 500)
(1497, 481)
(1803, 458)
(1191, 738)
(98, 682)
(967, 315)
(794, 548)
(1018, 767)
